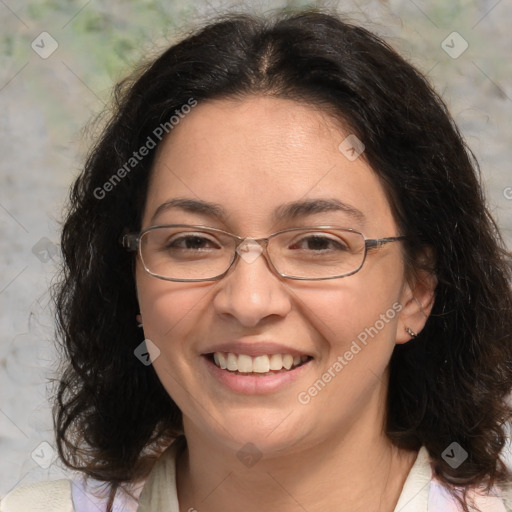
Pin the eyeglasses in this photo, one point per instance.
(181, 252)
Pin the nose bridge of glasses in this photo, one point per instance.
(249, 249)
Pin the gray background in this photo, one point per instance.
(46, 102)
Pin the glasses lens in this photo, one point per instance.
(317, 253)
(185, 253)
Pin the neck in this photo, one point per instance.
(357, 472)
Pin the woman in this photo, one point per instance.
(283, 290)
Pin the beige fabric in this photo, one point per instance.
(160, 490)
(414, 496)
(40, 497)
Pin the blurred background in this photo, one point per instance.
(59, 60)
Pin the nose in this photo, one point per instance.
(251, 292)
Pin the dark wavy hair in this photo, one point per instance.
(112, 415)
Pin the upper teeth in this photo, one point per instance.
(259, 364)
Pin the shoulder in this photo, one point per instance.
(496, 500)
(79, 495)
(423, 492)
(506, 496)
(54, 496)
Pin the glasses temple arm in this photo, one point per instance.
(130, 241)
(375, 243)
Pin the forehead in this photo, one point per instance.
(253, 155)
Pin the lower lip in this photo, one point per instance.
(255, 384)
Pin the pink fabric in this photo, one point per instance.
(92, 497)
(440, 500)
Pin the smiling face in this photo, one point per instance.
(250, 160)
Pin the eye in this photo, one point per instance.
(192, 242)
(316, 242)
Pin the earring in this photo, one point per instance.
(139, 320)
(410, 332)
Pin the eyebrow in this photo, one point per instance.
(287, 211)
(303, 208)
(192, 206)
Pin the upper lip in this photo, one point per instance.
(254, 348)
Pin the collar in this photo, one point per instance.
(414, 495)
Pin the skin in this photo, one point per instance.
(251, 156)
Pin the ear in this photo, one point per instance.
(417, 300)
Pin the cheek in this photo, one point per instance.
(362, 312)
(171, 313)
(169, 309)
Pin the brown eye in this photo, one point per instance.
(192, 242)
(320, 243)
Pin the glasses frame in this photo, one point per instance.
(131, 242)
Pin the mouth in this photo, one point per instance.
(258, 366)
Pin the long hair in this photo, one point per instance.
(112, 415)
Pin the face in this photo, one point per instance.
(251, 157)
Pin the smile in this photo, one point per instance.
(262, 364)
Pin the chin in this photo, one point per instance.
(268, 430)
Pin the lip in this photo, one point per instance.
(254, 349)
(255, 385)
